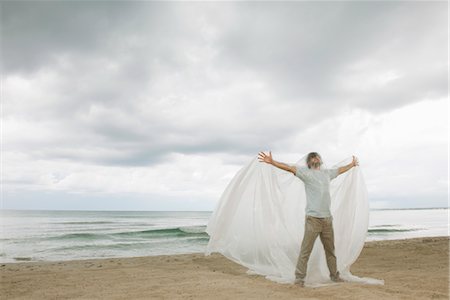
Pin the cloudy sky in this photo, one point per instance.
(156, 105)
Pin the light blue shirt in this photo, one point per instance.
(317, 188)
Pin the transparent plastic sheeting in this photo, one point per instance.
(260, 217)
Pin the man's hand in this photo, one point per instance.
(265, 158)
(344, 169)
(355, 162)
(268, 159)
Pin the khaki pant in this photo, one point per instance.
(314, 227)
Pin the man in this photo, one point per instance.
(318, 219)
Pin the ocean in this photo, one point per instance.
(46, 235)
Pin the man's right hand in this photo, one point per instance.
(355, 162)
(265, 158)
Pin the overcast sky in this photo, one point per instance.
(157, 105)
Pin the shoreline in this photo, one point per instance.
(25, 260)
(412, 268)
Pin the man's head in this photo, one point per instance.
(314, 160)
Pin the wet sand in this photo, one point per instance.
(411, 268)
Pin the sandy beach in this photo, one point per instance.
(412, 269)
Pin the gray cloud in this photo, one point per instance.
(127, 83)
(305, 49)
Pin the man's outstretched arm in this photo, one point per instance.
(344, 169)
(268, 159)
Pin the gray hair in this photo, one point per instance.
(310, 156)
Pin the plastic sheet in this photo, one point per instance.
(260, 217)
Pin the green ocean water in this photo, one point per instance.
(38, 235)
